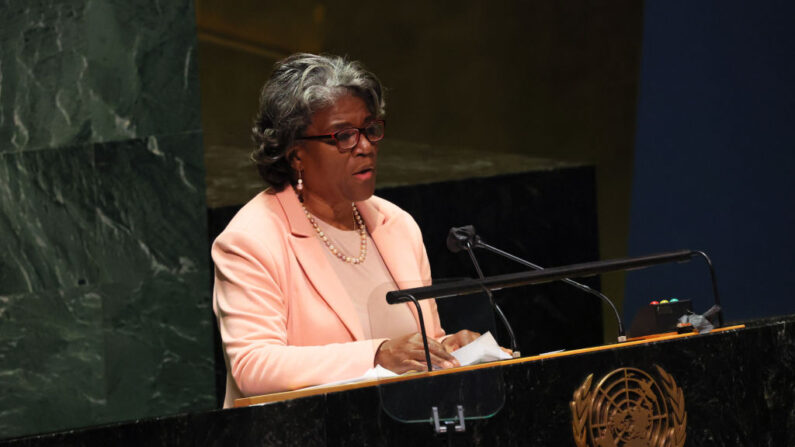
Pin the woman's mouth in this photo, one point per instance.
(364, 174)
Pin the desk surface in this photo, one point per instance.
(287, 395)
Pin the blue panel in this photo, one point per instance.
(715, 154)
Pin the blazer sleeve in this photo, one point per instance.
(252, 318)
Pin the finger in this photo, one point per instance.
(467, 336)
(455, 342)
(406, 362)
(433, 346)
(435, 349)
(439, 357)
(409, 365)
(450, 344)
(442, 363)
(447, 359)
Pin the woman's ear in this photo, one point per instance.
(294, 155)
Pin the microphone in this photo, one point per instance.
(460, 239)
(465, 238)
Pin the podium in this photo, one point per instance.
(736, 386)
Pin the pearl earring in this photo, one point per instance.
(299, 188)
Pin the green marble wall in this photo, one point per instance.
(104, 306)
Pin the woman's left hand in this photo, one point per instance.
(459, 340)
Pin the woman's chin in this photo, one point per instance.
(362, 189)
(362, 192)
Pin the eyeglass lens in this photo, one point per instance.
(348, 138)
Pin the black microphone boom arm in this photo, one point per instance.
(470, 286)
(622, 336)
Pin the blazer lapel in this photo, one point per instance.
(309, 253)
(397, 254)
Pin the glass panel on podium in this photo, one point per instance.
(411, 397)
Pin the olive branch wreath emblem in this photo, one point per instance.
(672, 436)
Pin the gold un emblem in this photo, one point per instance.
(628, 408)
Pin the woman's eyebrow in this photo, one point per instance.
(346, 124)
(340, 125)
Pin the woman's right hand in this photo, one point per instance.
(407, 353)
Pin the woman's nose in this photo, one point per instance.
(364, 146)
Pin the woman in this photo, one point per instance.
(302, 269)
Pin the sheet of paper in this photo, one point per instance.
(483, 349)
(379, 372)
(552, 352)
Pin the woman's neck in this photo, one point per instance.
(338, 215)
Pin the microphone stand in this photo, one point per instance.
(497, 310)
(470, 286)
(622, 337)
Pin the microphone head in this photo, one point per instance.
(458, 237)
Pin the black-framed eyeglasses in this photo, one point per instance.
(347, 139)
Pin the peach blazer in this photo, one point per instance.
(285, 319)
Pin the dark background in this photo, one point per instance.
(107, 110)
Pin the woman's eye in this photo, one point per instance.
(346, 135)
(375, 131)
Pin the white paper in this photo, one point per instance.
(482, 349)
(379, 372)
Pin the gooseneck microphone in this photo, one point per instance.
(465, 238)
(456, 246)
(468, 247)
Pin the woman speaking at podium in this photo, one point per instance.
(304, 265)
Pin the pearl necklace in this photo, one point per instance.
(357, 219)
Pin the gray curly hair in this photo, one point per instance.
(300, 85)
